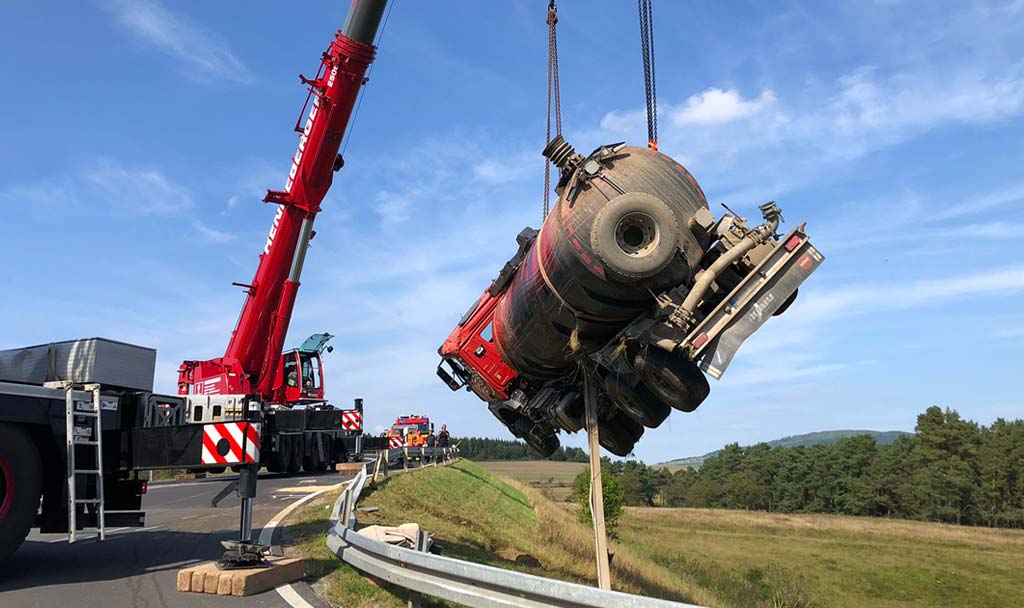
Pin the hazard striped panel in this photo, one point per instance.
(231, 443)
(395, 442)
(352, 420)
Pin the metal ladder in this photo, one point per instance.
(88, 435)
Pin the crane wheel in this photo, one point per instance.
(312, 463)
(673, 378)
(21, 475)
(295, 461)
(636, 401)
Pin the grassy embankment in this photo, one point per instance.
(478, 517)
(709, 557)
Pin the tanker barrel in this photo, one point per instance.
(363, 19)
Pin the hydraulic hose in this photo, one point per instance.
(755, 237)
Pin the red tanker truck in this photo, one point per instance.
(632, 275)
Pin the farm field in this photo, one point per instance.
(747, 558)
(550, 477)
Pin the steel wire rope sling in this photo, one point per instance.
(650, 88)
(553, 93)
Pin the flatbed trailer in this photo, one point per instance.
(73, 451)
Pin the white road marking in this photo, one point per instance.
(287, 592)
(290, 595)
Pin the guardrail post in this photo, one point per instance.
(415, 597)
(405, 458)
(376, 468)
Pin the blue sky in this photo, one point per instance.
(139, 137)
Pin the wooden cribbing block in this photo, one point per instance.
(349, 466)
(207, 578)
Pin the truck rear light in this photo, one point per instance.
(145, 487)
(792, 243)
(700, 340)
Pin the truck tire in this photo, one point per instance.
(286, 450)
(312, 463)
(673, 378)
(636, 401)
(619, 434)
(635, 235)
(21, 479)
(297, 445)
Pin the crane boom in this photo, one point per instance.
(253, 353)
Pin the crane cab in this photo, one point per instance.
(300, 374)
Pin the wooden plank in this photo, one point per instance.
(208, 578)
(282, 570)
(604, 578)
(184, 580)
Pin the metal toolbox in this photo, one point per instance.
(107, 362)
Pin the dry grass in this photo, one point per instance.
(752, 559)
(553, 479)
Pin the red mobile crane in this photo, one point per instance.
(253, 371)
(250, 363)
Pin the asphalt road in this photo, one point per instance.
(137, 567)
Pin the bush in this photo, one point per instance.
(612, 499)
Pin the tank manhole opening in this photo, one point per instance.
(637, 234)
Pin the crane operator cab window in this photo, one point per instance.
(291, 372)
(310, 371)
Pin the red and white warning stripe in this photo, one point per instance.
(396, 442)
(352, 420)
(222, 443)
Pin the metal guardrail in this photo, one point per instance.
(466, 583)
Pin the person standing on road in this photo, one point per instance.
(443, 438)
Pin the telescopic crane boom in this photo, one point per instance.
(249, 365)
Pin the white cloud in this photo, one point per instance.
(135, 191)
(715, 106)
(820, 306)
(1007, 196)
(212, 235)
(202, 55)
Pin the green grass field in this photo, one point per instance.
(553, 479)
(709, 557)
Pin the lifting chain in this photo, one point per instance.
(650, 90)
(553, 93)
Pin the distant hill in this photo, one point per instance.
(818, 438)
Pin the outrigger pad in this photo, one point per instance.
(239, 555)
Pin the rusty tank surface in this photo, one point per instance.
(632, 278)
(613, 238)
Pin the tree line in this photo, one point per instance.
(951, 470)
(485, 448)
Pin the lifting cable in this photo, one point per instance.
(553, 92)
(650, 90)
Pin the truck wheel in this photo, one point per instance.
(21, 478)
(297, 445)
(782, 308)
(311, 463)
(636, 401)
(635, 235)
(619, 434)
(673, 378)
(285, 452)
